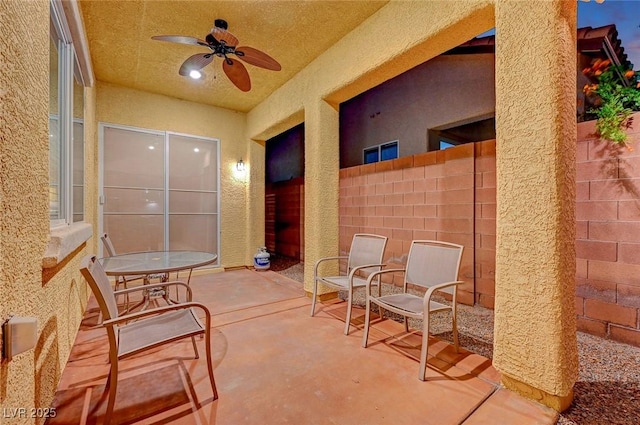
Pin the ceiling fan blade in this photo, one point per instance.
(182, 39)
(257, 58)
(224, 35)
(237, 73)
(195, 62)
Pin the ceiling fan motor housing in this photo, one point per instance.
(221, 23)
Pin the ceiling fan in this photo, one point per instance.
(223, 44)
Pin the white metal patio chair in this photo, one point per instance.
(111, 252)
(124, 280)
(136, 332)
(365, 256)
(432, 265)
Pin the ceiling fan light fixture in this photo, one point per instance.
(221, 43)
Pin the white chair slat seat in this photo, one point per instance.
(433, 266)
(365, 256)
(343, 281)
(168, 326)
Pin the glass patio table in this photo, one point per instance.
(156, 263)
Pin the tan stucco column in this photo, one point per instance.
(255, 195)
(321, 179)
(535, 331)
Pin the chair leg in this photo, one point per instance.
(456, 343)
(313, 297)
(347, 323)
(406, 324)
(195, 347)
(210, 364)
(367, 316)
(425, 346)
(116, 287)
(112, 385)
(126, 296)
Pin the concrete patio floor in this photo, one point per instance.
(275, 364)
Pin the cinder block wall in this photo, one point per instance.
(450, 195)
(608, 235)
(485, 219)
(425, 196)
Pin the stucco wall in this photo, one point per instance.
(361, 61)
(57, 296)
(535, 230)
(123, 106)
(285, 156)
(447, 90)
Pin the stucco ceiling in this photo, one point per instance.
(293, 32)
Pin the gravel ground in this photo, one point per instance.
(608, 387)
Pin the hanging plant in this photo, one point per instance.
(615, 96)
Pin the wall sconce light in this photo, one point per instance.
(240, 165)
(20, 334)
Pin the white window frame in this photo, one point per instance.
(379, 148)
(68, 69)
(67, 32)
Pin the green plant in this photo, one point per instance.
(613, 100)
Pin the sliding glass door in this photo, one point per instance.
(193, 193)
(160, 190)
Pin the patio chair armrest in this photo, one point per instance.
(322, 260)
(365, 266)
(156, 285)
(156, 311)
(378, 273)
(440, 287)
